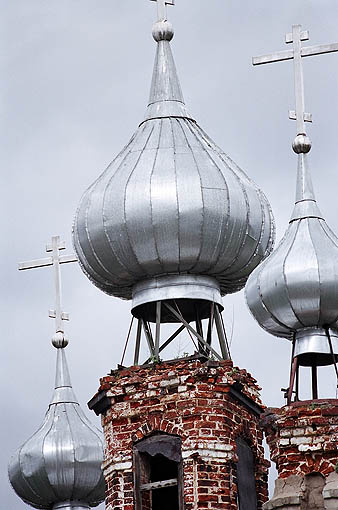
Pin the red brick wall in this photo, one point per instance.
(303, 437)
(190, 399)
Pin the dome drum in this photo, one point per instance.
(312, 347)
(193, 294)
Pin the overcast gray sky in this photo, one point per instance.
(75, 76)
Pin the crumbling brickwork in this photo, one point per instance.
(207, 404)
(303, 441)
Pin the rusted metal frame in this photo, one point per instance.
(138, 342)
(297, 385)
(211, 323)
(149, 337)
(126, 344)
(332, 352)
(159, 485)
(193, 331)
(288, 391)
(292, 379)
(314, 380)
(158, 329)
(167, 342)
(221, 334)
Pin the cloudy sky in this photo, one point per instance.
(75, 76)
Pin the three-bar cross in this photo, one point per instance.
(296, 38)
(162, 8)
(54, 260)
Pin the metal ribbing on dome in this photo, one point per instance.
(60, 465)
(172, 202)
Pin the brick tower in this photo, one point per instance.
(173, 224)
(293, 294)
(183, 434)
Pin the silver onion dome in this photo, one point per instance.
(59, 467)
(172, 216)
(294, 292)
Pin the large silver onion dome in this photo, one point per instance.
(172, 215)
(294, 292)
(59, 467)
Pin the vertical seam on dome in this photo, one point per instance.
(43, 445)
(272, 316)
(327, 230)
(284, 275)
(215, 148)
(100, 278)
(224, 224)
(324, 226)
(202, 198)
(265, 306)
(177, 203)
(124, 210)
(75, 467)
(226, 159)
(23, 476)
(150, 195)
(318, 270)
(258, 242)
(124, 203)
(245, 231)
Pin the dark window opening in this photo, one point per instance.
(158, 473)
(246, 481)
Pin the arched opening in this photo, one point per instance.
(158, 483)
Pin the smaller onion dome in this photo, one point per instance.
(59, 467)
(294, 292)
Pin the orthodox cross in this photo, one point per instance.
(162, 8)
(54, 260)
(296, 37)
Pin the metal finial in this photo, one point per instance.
(162, 8)
(302, 143)
(54, 260)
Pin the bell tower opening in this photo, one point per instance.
(158, 473)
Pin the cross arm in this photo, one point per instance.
(65, 259)
(308, 51)
(35, 263)
(318, 50)
(273, 57)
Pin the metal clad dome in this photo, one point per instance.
(294, 292)
(60, 465)
(172, 203)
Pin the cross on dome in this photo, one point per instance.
(296, 37)
(162, 8)
(54, 260)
